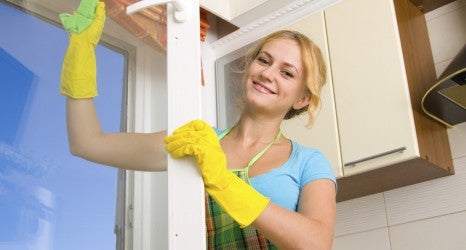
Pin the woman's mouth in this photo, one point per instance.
(262, 88)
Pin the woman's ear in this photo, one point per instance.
(302, 102)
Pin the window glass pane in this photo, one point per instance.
(50, 199)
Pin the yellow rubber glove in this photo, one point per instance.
(79, 73)
(241, 201)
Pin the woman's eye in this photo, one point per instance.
(263, 61)
(287, 74)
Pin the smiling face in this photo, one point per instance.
(275, 79)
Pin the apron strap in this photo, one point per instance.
(245, 171)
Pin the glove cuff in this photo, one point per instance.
(240, 200)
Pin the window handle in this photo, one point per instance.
(178, 5)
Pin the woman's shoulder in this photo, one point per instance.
(306, 151)
(312, 163)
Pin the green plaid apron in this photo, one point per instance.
(225, 233)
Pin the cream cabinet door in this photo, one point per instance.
(374, 112)
(324, 134)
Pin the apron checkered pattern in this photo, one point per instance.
(225, 233)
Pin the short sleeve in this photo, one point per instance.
(315, 166)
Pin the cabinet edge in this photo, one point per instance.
(432, 136)
(383, 179)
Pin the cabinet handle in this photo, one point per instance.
(396, 150)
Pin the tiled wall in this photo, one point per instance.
(425, 216)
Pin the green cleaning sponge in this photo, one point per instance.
(80, 19)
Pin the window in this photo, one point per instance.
(50, 199)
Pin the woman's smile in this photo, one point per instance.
(262, 88)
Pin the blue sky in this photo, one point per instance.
(48, 198)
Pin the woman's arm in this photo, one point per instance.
(312, 227)
(132, 151)
(79, 83)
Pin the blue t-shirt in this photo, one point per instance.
(283, 184)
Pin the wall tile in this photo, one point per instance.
(457, 137)
(359, 215)
(439, 233)
(441, 66)
(453, 6)
(428, 199)
(445, 45)
(369, 240)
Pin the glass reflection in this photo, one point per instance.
(48, 198)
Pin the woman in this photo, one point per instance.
(264, 191)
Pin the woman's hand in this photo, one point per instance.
(241, 201)
(78, 76)
(198, 139)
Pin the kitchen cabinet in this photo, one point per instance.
(380, 65)
(241, 13)
(230, 9)
(381, 61)
(376, 123)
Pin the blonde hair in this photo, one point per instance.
(315, 69)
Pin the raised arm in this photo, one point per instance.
(134, 151)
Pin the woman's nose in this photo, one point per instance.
(268, 73)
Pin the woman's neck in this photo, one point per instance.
(250, 131)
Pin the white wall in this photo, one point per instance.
(429, 215)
